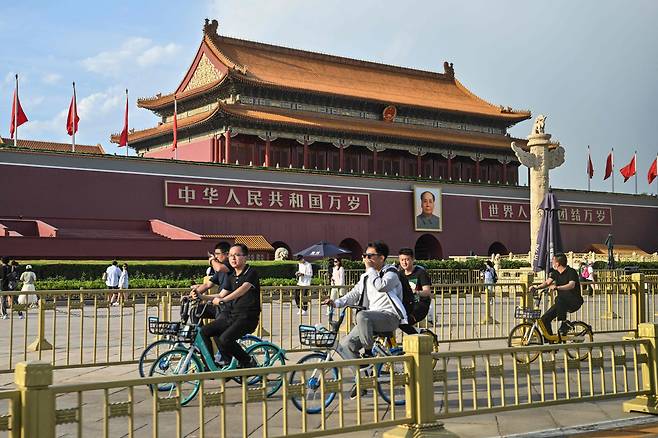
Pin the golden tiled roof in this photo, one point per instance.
(364, 126)
(319, 73)
(52, 146)
(183, 122)
(254, 242)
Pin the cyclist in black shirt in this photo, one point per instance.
(420, 284)
(564, 280)
(242, 289)
(218, 270)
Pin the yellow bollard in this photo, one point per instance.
(419, 395)
(40, 343)
(647, 403)
(33, 380)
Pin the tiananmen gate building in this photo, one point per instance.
(298, 147)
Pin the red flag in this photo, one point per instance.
(628, 170)
(18, 117)
(608, 167)
(590, 167)
(123, 140)
(72, 119)
(175, 144)
(653, 171)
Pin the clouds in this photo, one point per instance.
(134, 52)
(51, 78)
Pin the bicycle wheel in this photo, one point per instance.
(311, 381)
(266, 355)
(151, 352)
(578, 334)
(523, 336)
(172, 363)
(386, 373)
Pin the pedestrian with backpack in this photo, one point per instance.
(420, 289)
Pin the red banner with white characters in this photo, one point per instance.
(504, 211)
(225, 196)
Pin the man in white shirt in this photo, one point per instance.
(304, 275)
(379, 290)
(112, 275)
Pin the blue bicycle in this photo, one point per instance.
(194, 357)
(324, 340)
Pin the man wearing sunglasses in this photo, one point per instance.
(380, 292)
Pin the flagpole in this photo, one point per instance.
(126, 123)
(176, 128)
(635, 162)
(589, 159)
(75, 113)
(16, 113)
(613, 169)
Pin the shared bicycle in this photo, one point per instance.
(169, 331)
(533, 332)
(193, 357)
(324, 340)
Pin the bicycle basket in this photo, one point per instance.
(316, 337)
(527, 313)
(158, 327)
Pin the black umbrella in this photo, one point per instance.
(549, 240)
(323, 249)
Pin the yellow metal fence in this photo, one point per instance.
(81, 328)
(464, 383)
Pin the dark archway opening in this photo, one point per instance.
(353, 246)
(428, 247)
(497, 248)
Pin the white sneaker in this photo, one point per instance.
(4, 317)
(299, 311)
(21, 316)
(303, 312)
(115, 304)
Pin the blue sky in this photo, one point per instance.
(591, 66)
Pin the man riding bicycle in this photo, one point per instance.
(380, 292)
(242, 289)
(564, 280)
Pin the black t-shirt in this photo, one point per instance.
(5, 276)
(219, 277)
(248, 305)
(565, 277)
(417, 279)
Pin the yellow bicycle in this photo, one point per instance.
(533, 332)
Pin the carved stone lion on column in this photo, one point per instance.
(281, 254)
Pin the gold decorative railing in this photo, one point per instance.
(81, 328)
(464, 383)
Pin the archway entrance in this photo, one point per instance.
(428, 247)
(352, 245)
(497, 248)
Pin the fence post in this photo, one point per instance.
(40, 343)
(419, 394)
(638, 301)
(526, 279)
(33, 380)
(647, 403)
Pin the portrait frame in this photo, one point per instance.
(419, 189)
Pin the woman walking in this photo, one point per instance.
(28, 279)
(123, 284)
(337, 279)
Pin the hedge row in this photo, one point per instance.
(170, 270)
(148, 283)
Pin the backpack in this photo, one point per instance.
(408, 295)
(494, 277)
